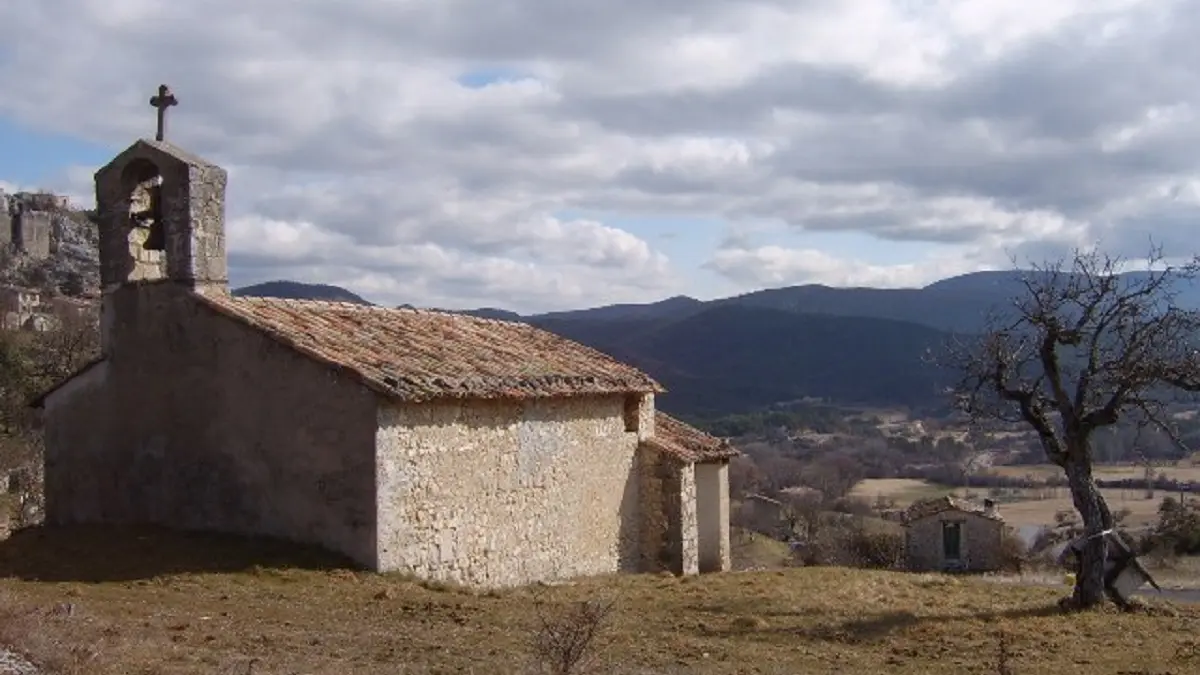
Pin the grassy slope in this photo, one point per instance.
(756, 551)
(151, 615)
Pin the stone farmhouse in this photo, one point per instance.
(456, 448)
(760, 513)
(952, 534)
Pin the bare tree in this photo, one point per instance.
(803, 513)
(1085, 348)
(744, 476)
(31, 362)
(835, 474)
(58, 353)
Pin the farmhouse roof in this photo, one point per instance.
(419, 355)
(687, 443)
(930, 507)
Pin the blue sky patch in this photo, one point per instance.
(478, 78)
(34, 159)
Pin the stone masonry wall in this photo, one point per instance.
(980, 544)
(198, 422)
(689, 551)
(712, 516)
(668, 503)
(645, 416)
(655, 536)
(506, 493)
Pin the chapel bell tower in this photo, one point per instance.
(161, 215)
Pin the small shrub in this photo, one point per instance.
(848, 542)
(1178, 528)
(563, 644)
(1013, 553)
(883, 550)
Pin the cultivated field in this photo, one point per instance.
(1183, 471)
(903, 490)
(1041, 511)
(1037, 508)
(167, 604)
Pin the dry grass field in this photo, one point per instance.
(150, 603)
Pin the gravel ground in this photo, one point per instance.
(12, 663)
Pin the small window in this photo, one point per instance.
(633, 404)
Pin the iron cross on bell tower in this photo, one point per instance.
(165, 99)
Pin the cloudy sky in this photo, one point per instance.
(547, 154)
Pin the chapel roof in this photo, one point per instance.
(419, 355)
(687, 443)
(930, 507)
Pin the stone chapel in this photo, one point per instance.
(489, 453)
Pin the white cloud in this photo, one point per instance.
(775, 266)
(357, 157)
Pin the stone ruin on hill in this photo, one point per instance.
(25, 222)
(48, 247)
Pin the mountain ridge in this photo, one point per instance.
(955, 304)
(852, 346)
(962, 303)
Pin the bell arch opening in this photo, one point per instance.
(142, 182)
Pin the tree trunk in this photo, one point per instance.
(1093, 509)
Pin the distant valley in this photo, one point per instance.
(848, 346)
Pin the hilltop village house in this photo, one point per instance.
(485, 452)
(27, 309)
(952, 534)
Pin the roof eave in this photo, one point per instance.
(39, 401)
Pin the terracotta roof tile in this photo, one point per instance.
(419, 355)
(929, 507)
(687, 443)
